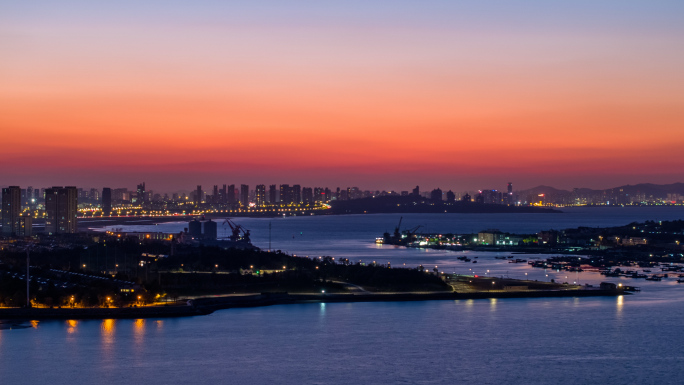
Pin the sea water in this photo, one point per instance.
(626, 339)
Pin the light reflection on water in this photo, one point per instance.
(484, 341)
(492, 304)
(71, 326)
(139, 330)
(513, 341)
(107, 329)
(620, 303)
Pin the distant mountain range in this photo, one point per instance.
(647, 189)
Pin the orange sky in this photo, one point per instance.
(374, 103)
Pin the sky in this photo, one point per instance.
(381, 95)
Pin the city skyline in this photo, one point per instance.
(450, 95)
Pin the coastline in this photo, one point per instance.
(208, 305)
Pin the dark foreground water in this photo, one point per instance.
(624, 340)
(634, 339)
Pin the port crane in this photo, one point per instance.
(236, 230)
(397, 233)
(401, 237)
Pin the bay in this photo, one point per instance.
(628, 339)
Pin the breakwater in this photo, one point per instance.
(207, 305)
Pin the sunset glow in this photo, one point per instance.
(385, 96)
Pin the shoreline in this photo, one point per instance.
(208, 305)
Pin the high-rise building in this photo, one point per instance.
(11, 209)
(141, 193)
(307, 196)
(489, 196)
(61, 207)
(436, 195)
(244, 195)
(29, 195)
(106, 201)
(94, 194)
(416, 192)
(198, 195)
(230, 196)
(296, 194)
(215, 195)
(451, 197)
(260, 195)
(318, 194)
(272, 194)
(222, 199)
(119, 195)
(285, 194)
(24, 226)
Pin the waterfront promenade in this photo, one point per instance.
(207, 305)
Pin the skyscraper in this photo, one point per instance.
(296, 194)
(307, 196)
(198, 195)
(11, 209)
(222, 195)
(244, 195)
(260, 194)
(106, 201)
(231, 194)
(272, 194)
(24, 226)
(318, 194)
(61, 206)
(436, 195)
(141, 193)
(285, 194)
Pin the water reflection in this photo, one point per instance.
(322, 311)
(492, 304)
(139, 330)
(107, 328)
(160, 324)
(620, 303)
(34, 324)
(71, 329)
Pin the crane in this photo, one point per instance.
(236, 230)
(397, 233)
